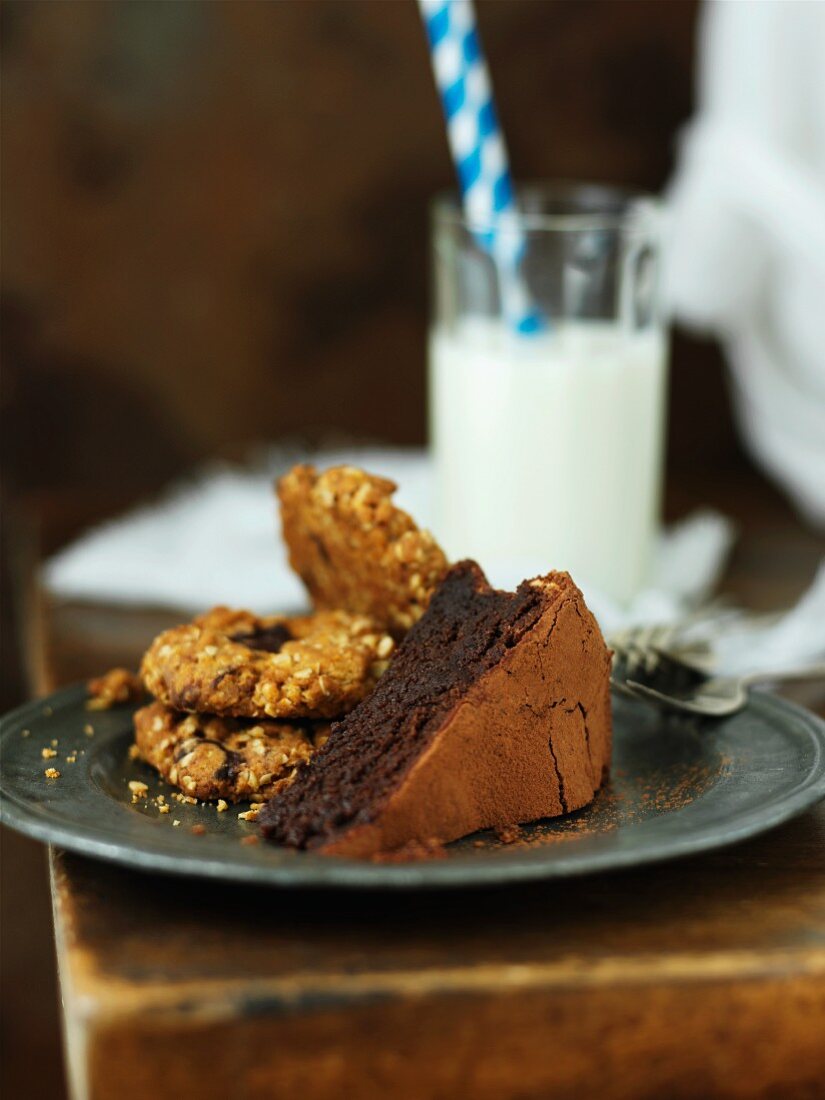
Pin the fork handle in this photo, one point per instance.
(808, 672)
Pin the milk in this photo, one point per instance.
(549, 448)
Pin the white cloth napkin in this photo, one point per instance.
(215, 539)
(746, 217)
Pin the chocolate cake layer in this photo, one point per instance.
(495, 709)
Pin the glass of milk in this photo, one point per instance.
(548, 447)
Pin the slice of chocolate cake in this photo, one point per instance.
(495, 710)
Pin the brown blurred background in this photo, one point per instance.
(214, 224)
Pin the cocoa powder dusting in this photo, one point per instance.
(626, 800)
(412, 852)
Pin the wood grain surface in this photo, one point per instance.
(701, 978)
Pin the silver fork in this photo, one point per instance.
(679, 638)
(651, 663)
(692, 690)
(638, 650)
(718, 696)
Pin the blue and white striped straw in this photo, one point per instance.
(478, 149)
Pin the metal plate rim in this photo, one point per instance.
(310, 871)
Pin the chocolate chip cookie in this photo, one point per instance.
(233, 663)
(209, 757)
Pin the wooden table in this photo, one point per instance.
(702, 978)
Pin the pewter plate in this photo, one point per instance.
(677, 788)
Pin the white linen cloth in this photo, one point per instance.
(215, 539)
(746, 218)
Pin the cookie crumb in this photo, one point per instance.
(51, 773)
(176, 822)
(222, 805)
(47, 754)
(163, 808)
(25, 733)
(89, 730)
(54, 742)
(508, 834)
(137, 787)
(198, 830)
(119, 685)
(71, 759)
(248, 815)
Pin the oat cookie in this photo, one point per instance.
(230, 758)
(353, 548)
(235, 664)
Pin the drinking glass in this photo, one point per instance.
(548, 445)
